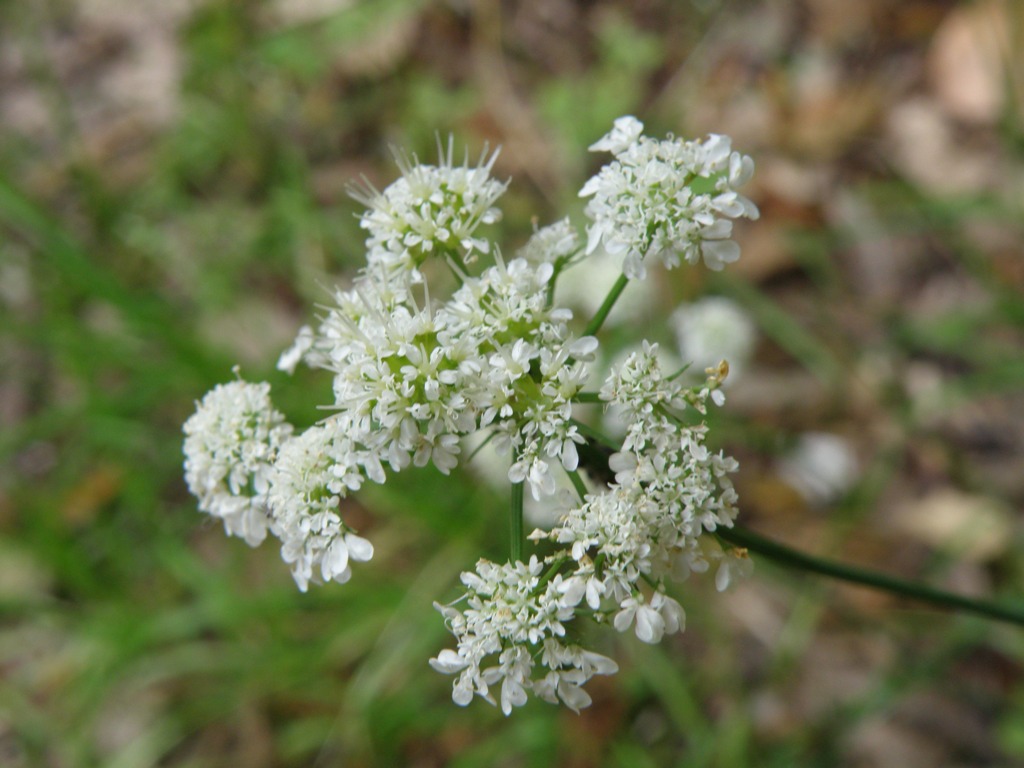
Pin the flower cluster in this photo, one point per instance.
(429, 210)
(618, 548)
(231, 443)
(414, 374)
(671, 199)
(512, 618)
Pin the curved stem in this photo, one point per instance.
(743, 537)
(577, 483)
(609, 301)
(593, 434)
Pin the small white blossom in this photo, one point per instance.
(292, 356)
(313, 472)
(551, 244)
(510, 619)
(733, 564)
(429, 210)
(624, 133)
(671, 199)
(713, 329)
(821, 466)
(231, 443)
(415, 376)
(528, 371)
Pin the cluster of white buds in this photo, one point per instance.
(414, 374)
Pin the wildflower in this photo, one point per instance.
(555, 243)
(733, 564)
(402, 394)
(231, 443)
(821, 467)
(527, 370)
(429, 210)
(415, 375)
(312, 473)
(662, 615)
(509, 620)
(667, 199)
(625, 131)
(711, 329)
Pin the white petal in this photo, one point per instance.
(572, 591)
(718, 253)
(575, 698)
(570, 457)
(595, 232)
(623, 619)
(724, 576)
(626, 130)
(448, 662)
(462, 694)
(584, 348)
(359, 549)
(596, 664)
(512, 695)
(335, 559)
(649, 625)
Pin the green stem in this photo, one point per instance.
(596, 435)
(577, 483)
(549, 574)
(609, 301)
(516, 523)
(743, 537)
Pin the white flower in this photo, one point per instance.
(571, 667)
(527, 370)
(312, 472)
(551, 244)
(653, 620)
(291, 357)
(429, 209)
(734, 564)
(510, 620)
(625, 131)
(821, 466)
(416, 374)
(231, 443)
(650, 626)
(672, 199)
(713, 329)
(404, 392)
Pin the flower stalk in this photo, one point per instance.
(606, 306)
(515, 520)
(792, 558)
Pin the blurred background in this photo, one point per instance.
(172, 202)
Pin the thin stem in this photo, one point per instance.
(609, 301)
(516, 523)
(481, 447)
(792, 558)
(577, 483)
(549, 574)
(596, 435)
